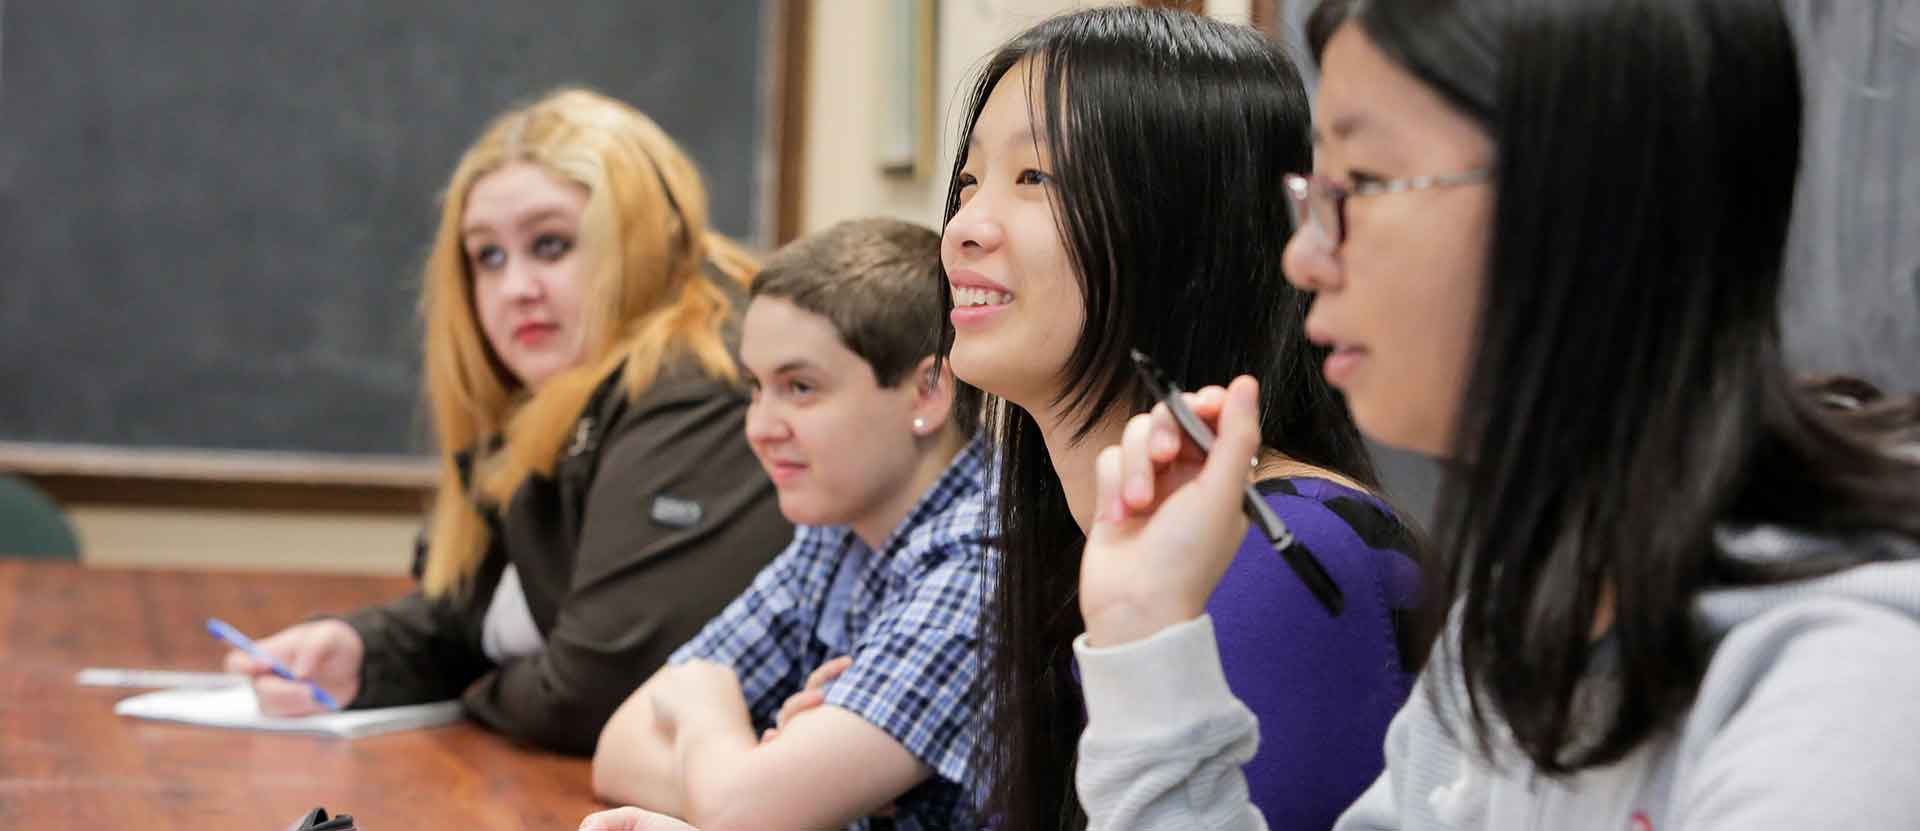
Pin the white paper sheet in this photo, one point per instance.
(235, 707)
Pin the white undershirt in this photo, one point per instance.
(509, 630)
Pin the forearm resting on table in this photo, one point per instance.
(633, 762)
(827, 768)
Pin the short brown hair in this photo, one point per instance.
(875, 279)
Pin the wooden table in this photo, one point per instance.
(66, 761)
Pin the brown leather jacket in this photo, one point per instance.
(654, 519)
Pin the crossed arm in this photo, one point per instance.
(684, 744)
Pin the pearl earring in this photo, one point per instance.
(919, 425)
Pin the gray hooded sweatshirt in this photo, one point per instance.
(1808, 717)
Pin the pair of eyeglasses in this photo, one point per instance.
(1321, 203)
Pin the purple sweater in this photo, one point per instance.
(1324, 688)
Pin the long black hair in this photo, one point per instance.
(1168, 196)
(1627, 395)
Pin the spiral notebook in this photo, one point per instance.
(234, 707)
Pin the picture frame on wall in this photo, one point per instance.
(907, 67)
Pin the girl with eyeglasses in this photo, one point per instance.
(1671, 590)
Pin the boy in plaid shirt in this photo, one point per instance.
(840, 685)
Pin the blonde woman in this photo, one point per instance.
(596, 504)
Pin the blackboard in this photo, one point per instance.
(213, 212)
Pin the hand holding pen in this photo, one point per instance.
(1291, 550)
(304, 669)
(1169, 517)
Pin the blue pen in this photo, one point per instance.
(225, 632)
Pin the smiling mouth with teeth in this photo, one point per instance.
(965, 297)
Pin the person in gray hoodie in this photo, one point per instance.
(1672, 591)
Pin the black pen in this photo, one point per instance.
(1294, 552)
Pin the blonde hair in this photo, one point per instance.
(644, 239)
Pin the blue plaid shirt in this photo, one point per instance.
(909, 615)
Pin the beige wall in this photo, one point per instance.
(341, 542)
(843, 180)
(1232, 11)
